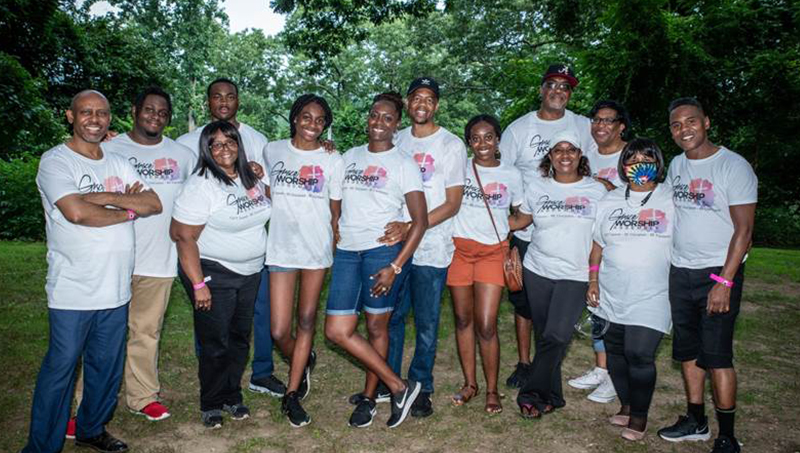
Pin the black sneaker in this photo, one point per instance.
(725, 444)
(237, 411)
(105, 442)
(270, 385)
(305, 384)
(382, 395)
(422, 407)
(364, 413)
(212, 419)
(517, 378)
(290, 406)
(686, 428)
(402, 402)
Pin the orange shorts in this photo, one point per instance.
(476, 262)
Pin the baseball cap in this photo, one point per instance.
(424, 82)
(561, 70)
(565, 135)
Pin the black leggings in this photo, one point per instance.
(631, 363)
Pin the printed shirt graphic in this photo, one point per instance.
(526, 141)
(440, 158)
(373, 194)
(254, 143)
(704, 190)
(302, 183)
(637, 244)
(605, 166)
(235, 218)
(563, 217)
(89, 268)
(164, 167)
(503, 189)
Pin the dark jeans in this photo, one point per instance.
(631, 363)
(518, 299)
(263, 365)
(556, 305)
(223, 333)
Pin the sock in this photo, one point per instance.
(725, 418)
(698, 411)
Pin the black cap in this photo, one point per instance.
(561, 70)
(424, 82)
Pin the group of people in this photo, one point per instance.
(598, 218)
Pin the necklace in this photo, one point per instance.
(646, 199)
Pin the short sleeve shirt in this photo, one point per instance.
(302, 184)
(253, 141)
(441, 159)
(502, 188)
(234, 234)
(88, 268)
(704, 190)
(373, 194)
(563, 218)
(605, 166)
(164, 167)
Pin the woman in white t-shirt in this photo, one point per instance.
(475, 277)
(379, 181)
(561, 204)
(306, 192)
(218, 225)
(629, 278)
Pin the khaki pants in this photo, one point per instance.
(149, 298)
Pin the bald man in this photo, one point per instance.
(91, 200)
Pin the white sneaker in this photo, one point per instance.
(605, 393)
(591, 379)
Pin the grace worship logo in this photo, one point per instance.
(699, 192)
(426, 165)
(496, 194)
(254, 197)
(314, 178)
(160, 170)
(577, 205)
(608, 173)
(374, 176)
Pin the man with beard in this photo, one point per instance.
(223, 105)
(525, 142)
(715, 192)
(91, 199)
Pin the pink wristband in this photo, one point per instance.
(594, 268)
(202, 284)
(719, 279)
(132, 214)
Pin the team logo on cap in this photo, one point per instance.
(425, 82)
(564, 70)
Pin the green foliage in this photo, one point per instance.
(778, 226)
(20, 204)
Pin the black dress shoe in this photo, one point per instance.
(105, 442)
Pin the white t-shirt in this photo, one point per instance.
(234, 234)
(526, 141)
(441, 157)
(88, 268)
(164, 167)
(563, 217)
(634, 271)
(373, 194)
(503, 188)
(253, 141)
(605, 166)
(302, 184)
(703, 190)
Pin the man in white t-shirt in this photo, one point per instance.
(441, 158)
(715, 192)
(90, 199)
(223, 104)
(525, 142)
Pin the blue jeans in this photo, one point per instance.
(351, 281)
(98, 336)
(422, 291)
(263, 366)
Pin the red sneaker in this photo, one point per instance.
(71, 428)
(154, 411)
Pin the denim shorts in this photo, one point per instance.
(350, 284)
(273, 268)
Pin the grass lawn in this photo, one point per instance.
(767, 357)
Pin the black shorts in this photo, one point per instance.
(518, 299)
(696, 334)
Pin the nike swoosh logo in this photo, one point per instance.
(401, 403)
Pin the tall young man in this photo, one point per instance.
(525, 142)
(91, 199)
(223, 104)
(441, 157)
(715, 194)
(164, 165)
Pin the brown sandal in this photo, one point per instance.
(493, 408)
(467, 392)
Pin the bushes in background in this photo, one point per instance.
(21, 215)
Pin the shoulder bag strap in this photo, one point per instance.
(485, 201)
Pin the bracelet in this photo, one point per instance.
(719, 279)
(132, 214)
(594, 268)
(590, 281)
(202, 284)
(397, 269)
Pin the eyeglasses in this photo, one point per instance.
(553, 85)
(604, 121)
(229, 145)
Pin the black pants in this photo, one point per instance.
(631, 363)
(223, 333)
(518, 299)
(556, 305)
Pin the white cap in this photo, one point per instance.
(565, 135)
